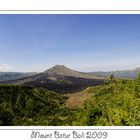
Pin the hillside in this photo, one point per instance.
(116, 103)
(21, 105)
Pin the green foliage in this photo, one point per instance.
(115, 103)
(22, 105)
(138, 79)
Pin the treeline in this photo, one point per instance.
(115, 103)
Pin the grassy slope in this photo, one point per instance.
(76, 100)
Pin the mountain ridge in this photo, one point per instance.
(122, 73)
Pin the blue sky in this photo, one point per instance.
(82, 42)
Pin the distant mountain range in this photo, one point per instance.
(121, 74)
(4, 76)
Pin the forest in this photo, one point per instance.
(115, 103)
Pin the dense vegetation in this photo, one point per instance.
(115, 103)
(20, 105)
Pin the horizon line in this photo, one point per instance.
(114, 70)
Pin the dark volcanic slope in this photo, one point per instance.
(59, 79)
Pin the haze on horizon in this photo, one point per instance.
(81, 42)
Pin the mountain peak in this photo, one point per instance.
(58, 69)
(59, 66)
(65, 71)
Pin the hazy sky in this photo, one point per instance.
(81, 42)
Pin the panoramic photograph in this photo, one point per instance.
(69, 70)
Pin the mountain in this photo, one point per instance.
(4, 76)
(63, 70)
(59, 79)
(122, 74)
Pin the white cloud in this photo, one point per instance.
(5, 67)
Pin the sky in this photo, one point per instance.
(34, 43)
